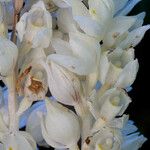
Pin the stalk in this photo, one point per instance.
(12, 102)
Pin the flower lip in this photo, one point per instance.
(36, 85)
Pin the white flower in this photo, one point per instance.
(105, 109)
(57, 122)
(8, 57)
(35, 26)
(64, 85)
(32, 84)
(118, 68)
(15, 140)
(81, 55)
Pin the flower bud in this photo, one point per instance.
(64, 85)
(57, 122)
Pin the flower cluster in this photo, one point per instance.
(82, 51)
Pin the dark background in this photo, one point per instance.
(139, 109)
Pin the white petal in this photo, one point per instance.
(133, 142)
(21, 25)
(134, 37)
(8, 56)
(129, 128)
(29, 138)
(61, 47)
(112, 74)
(119, 4)
(119, 122)
(42, 38)
(57, 113)
(48, 138)
(86, 48)
(113, 103)
(33, 124)
(119, 26)
(90, 26)
(139, 21)
(129, 6)
(73, 64)
(104, 67)
(128, 56)
(101, 10)
(64, 85)
(65, 20)
(78, 8)
(86, 53)
(128, 75)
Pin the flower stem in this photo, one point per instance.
(12, 103)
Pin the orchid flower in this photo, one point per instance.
(15, 140)
(78, 55)
(55, 133)
(82, 52)
(35, 26)
(118, 68)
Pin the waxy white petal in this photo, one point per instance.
(65, 20)
(128, 75)
(8, 56)
(134, 37)
(139, 21)
(119, 26)
(33, 125)
(90, 26)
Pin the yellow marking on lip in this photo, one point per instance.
(10, 148)
(100, 147)
(93, 12)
